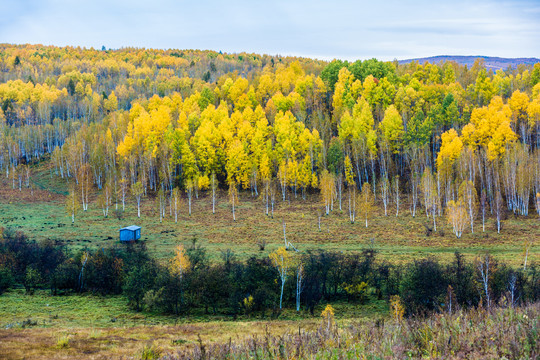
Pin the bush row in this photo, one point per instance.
(236, 287)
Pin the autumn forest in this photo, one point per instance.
(459, 143)
(357, 167)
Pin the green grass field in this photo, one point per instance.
(42, 215)
(20, 310)
(32, 326)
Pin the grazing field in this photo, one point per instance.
(42, 215)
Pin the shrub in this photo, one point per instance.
(396, 308)
(119, 214)
(357, 291)
(62, 342)
(461, 276)
(423, 286)
(32, 280)
(137, 283)
(328, 319)
(104, 272)
(28, 323)
(65, 277)
(151, 352)
(6, 280)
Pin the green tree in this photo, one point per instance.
(335, 156)
(330, 73)
(139, 280)
(206, 98)
(6, 279)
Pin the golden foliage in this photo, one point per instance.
(396, 308)
(180, 263)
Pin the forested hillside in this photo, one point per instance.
(489, 62)
(451, 141)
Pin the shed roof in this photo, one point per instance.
(131, 228)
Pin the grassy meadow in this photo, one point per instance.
(36, 326)
(41, 215)
(78, 333)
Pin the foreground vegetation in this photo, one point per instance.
(502, 332)
(510, 333)
(125, 340)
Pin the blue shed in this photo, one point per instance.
(130, 233)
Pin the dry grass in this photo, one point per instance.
(114, 343)
(478, 334)
(502, 333)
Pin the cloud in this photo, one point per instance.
(342, 29)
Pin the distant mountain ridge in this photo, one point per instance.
(490, 62)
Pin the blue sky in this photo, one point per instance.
(322, 29)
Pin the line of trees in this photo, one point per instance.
(261, 285)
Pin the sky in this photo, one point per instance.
(351, 30)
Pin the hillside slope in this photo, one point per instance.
(490, 62)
